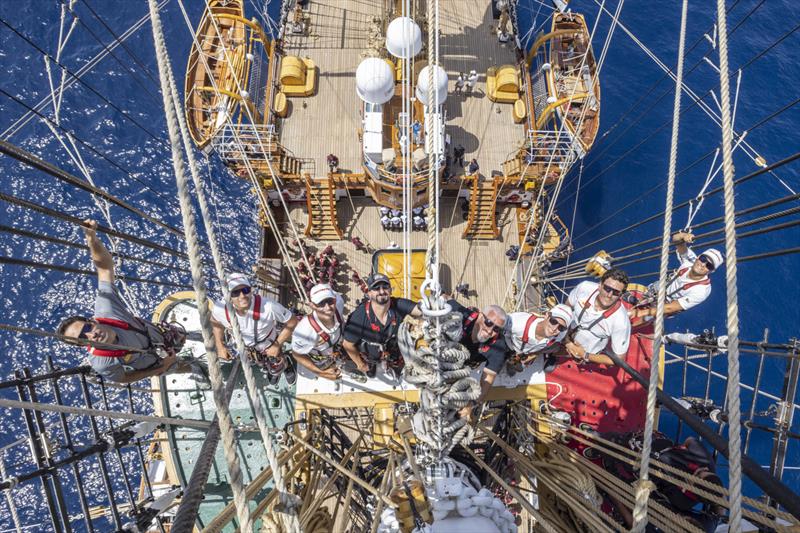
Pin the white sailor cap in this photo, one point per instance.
(237, 279)
(562, 311)
(715, 256)
(321, 292)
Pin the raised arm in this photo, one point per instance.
(682, 240)
(101, 257)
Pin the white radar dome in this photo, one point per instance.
(374, 81)
(439, 84)
(403, 38)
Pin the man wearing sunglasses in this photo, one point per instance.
(599, 321)
(123, 348)
(370, 335)
(482, 334)
(318, 336)
(259, 320)
(531, 335)
(687, 287)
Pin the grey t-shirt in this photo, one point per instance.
(109, 305)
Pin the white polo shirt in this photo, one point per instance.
(306, 340)
(616, 328)
(256, 335)
(686, 291)
(516, 333)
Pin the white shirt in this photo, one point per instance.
(616, 328)
(384, 220)
(691, 296)
(306, 340)
(459, 81)
(472, 80)
(263, 334)
(534, 344)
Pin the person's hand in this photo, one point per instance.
(274, 350)
(362, 366)
(168, 361)
(222, 353)
(682, 237)
(89, 228)
(633, 313)
(332, 373)
(575, 350)
(466, 412)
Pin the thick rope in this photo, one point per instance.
(733, 401)
(643, 485)
(290, 523)
(229, 444)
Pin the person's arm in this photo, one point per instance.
(136, 375)
(331, 373)
(355, 355)
(286, 333)
(487, 380)
(219, 339)
(579, 353)
(682, 240)
(101, 257)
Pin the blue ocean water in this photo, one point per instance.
(626, 163)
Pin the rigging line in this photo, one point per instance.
(574, 216)
(643, 485)
(32, 160)
(663, 77)
(696, 100)
(79, 222)
(82, 82)
(111, 52)
(746, 211)
(71, 134)
(225, 421)
(119, 41)
(681, 205)
(46, 238)
(72, 270)
(24, 119)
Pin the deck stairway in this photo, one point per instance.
(321, 205)
(539, 89)
(482, 218)
(289, 165)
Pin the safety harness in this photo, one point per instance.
(256, 318)
(121, 324)
(606, 314)
(173, 334)
(326, 338)
(394, 360)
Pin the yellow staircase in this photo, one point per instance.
(482, 219)
(321, 206)
(289, 165)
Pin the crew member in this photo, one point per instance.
(259, 318)
(531, 335)
(317, 339)
(370, 335)
(124, 348)
(599, 321)
(687, 287)
(482, 335)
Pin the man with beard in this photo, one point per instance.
(370, 335)
(259, 318)
(482, 335)
(317, 338)
(599, 321)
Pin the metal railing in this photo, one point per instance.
(236, 142)
(551, 148)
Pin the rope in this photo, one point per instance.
(289, 520)
(229, 444)
(732, 396)
(644, 486)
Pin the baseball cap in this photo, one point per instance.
(715, 256)
(376, 278)
(562, 311)
(321, 292)
(237, 279)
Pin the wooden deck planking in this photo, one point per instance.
(481, 264)
(328, 122)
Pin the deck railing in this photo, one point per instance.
(236, 142)
(553, 148)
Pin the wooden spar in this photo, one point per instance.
(540, 121)
(227, 514)
(546, 37)
(387, 477)
(317, 501)
(342, 519)
(252, 24)
(363, 484)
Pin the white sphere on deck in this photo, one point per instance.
(403, 38)
(439, 84)
(374, 81)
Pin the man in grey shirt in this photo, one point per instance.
(134, 348)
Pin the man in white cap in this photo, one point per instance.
(259, 319)
(318, 336)
(472, 80)
(687, 287)
(531, 335)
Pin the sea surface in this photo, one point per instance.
(117, 111)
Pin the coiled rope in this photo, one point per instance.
(190, 231)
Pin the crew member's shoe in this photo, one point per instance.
(373, 368)
(290, 372)
(273, 379)
(550, 363)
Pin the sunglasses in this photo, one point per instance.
(327, 302)
(707, 262)
(489, 324)
(611, 290)
(243, 290)
(557, 324)
(381, 287)
(87, 327)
